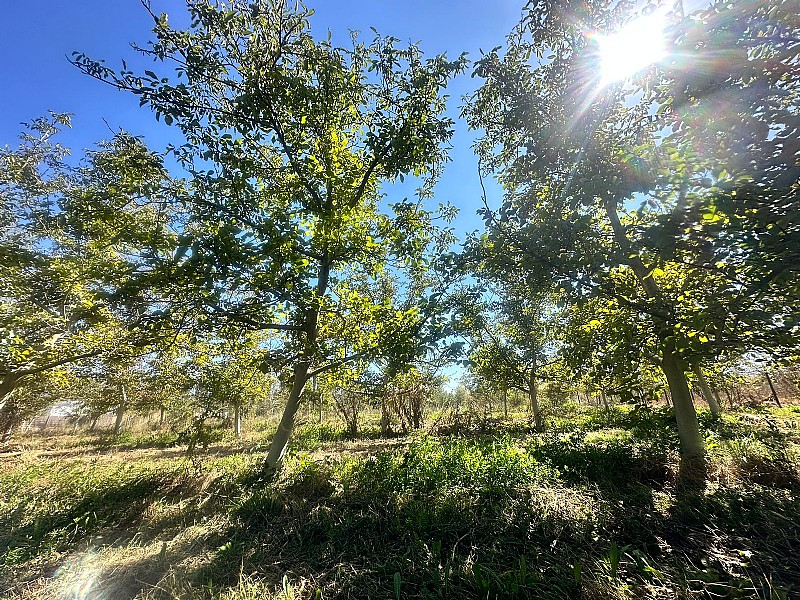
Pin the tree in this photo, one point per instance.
(406, 393)
(510, 348)
(575, 154)
(288, 140)
(232, 376)
(733, 156)
(107, 384)
(66, 235)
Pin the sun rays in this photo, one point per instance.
(637, 45)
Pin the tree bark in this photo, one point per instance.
(713, 404)
(605, 399)
(121, 410)
(385, 423)
(505, 403)
(533, 392)
(352, 422)
(237, 420)
(9, 411)
(717, 397)
(318, 395)
(772, 389)
(280, 443)
(693, 447)
(728, 396)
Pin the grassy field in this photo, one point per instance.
(467, 509)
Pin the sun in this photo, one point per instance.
(637, 45)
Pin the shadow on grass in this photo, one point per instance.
(361, 542)
(562, 517)
(87, 533)
(441, 523)
(70, 522)
(738, 542)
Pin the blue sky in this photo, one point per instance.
(37, 36)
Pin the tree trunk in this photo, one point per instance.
(385, 423)
(318, 394)
(505, 403)
(161, 416)
(605, 399)
(711, 400)
(692, 468)
(717, 397)
(352, 424)
(237, 420)
(8, 419)
(772, 389)
(729, 397)
(693, 450)
(9, 411)
(533, 392)
(280, 443)
(121, 410)
(416, 409)
(94, 423)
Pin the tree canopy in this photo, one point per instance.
(288, 140)
(705, 152)
(646, 232)
(66, 243)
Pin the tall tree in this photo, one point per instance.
(288, 140)
(575, 153)
(513, 344)
(66, 235)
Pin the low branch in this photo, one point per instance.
(335, 364)
(56, 363)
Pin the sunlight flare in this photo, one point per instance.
(637, 45)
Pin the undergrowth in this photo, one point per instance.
(586, 510)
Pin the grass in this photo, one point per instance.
(586, 510)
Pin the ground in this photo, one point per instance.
(471, 508)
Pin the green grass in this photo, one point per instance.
(586, 510)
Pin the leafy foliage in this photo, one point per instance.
(67, 247)
(288, 140)
(575, 154)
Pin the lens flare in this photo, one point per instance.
(637, 45)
